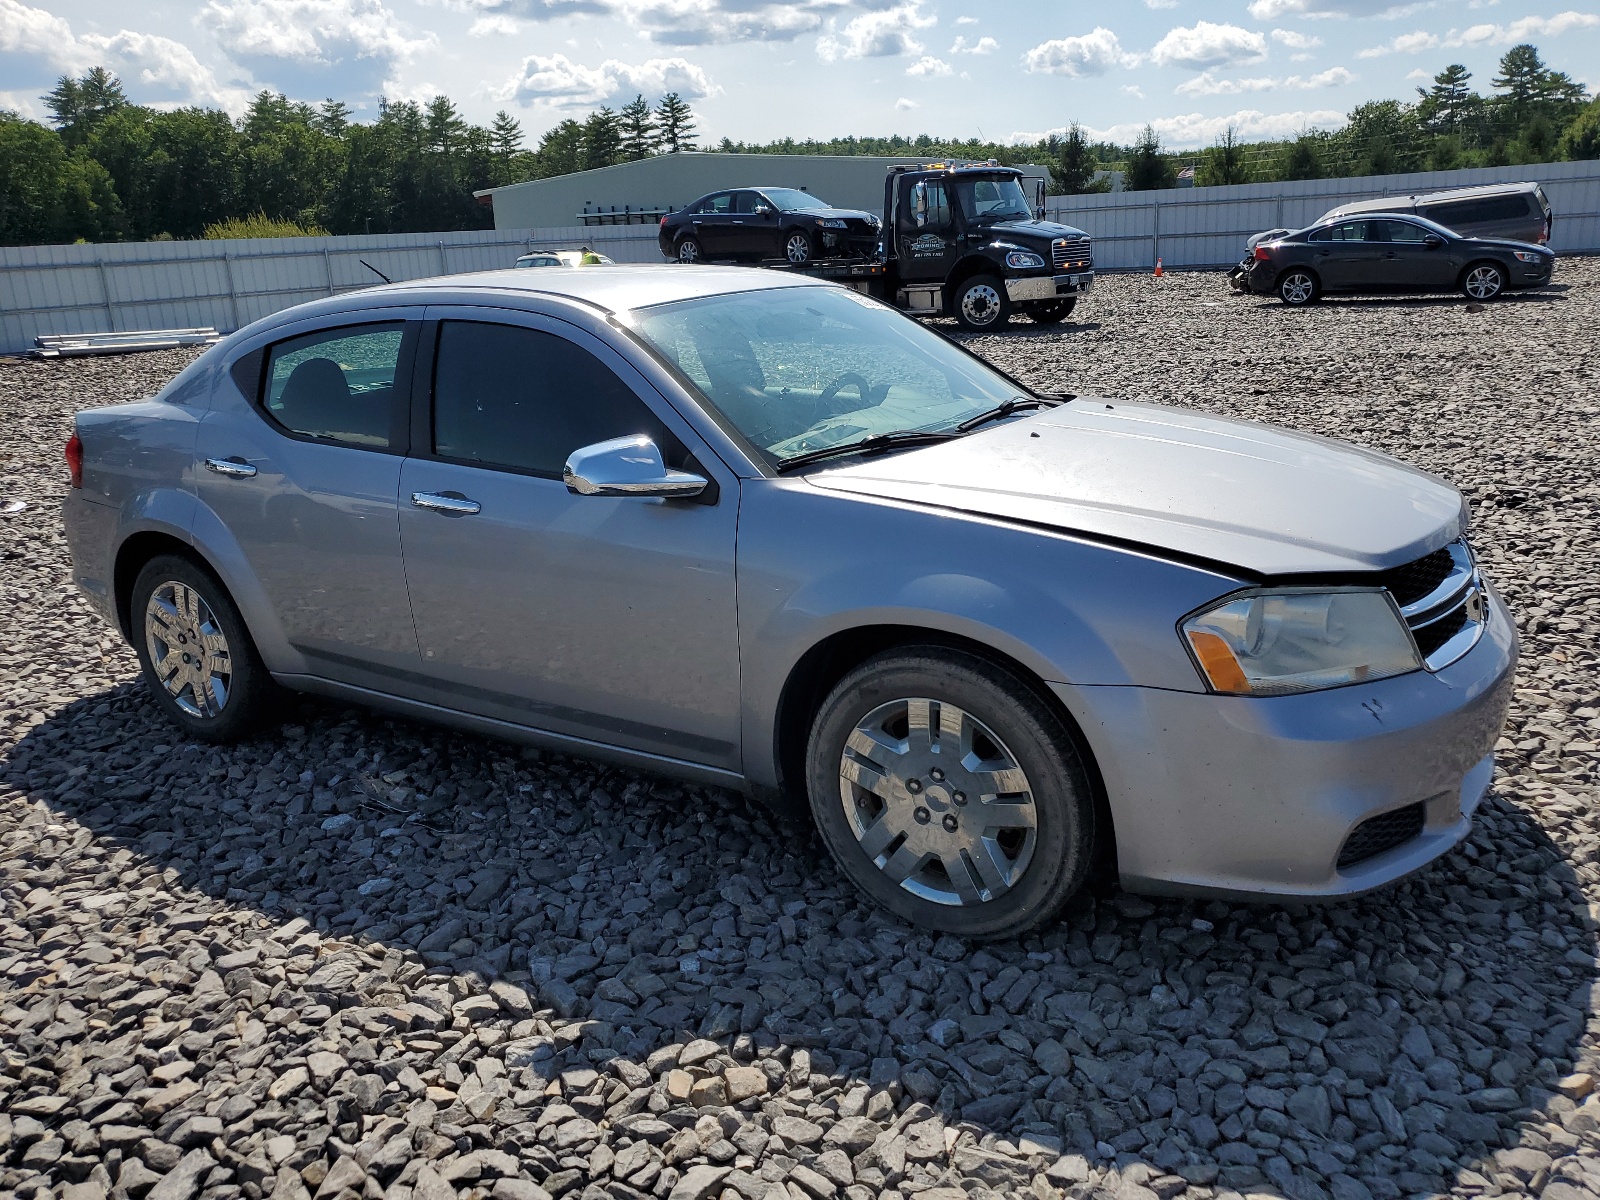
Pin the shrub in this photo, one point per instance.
(259, 225)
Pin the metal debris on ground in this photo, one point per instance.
(81, 345)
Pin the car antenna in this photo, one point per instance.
(374, 270)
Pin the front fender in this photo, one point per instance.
(813, 564)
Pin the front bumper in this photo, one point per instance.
(1255, 798)
(1048, 287)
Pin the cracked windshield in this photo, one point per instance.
(802, 369)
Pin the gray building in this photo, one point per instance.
(641, 192)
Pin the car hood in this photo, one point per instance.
(1507, 244)
(1265, 500)
(854, 214)
(1047, 230)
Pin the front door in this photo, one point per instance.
(1409, 263)
(601, 618)
(754, 233)
(305, 476)
(925, 232)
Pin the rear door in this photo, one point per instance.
(712, 223)
(608, 619)
(1342, 257)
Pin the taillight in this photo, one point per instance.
(1261, 254)
(663, 220)
(75, 460)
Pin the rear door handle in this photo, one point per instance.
(234, 468)
(454, 506)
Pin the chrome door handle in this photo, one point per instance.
(455, 506)
(234, 468)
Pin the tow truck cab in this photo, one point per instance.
(967, 242)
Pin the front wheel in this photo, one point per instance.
(689, 250)
(1297, 287)
(1052, 312)
(797, 247)
(195, 654)
(982, 304)
(1483, 281)
(950, 794)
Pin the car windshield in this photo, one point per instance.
(806, 368)
(993, 199)
(793, 200)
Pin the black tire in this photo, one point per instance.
(981, 304)
(1299, 286)
(248, 693)
(1051, 312)
(1482, 281)
(798, 248)
(1051, 864)
(690, 250)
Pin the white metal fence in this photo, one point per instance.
(228, 284)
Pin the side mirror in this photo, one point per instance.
(1433, 241)
(763, 210)
(627, 466)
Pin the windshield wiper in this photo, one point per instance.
(1006, 407)
(876, 444)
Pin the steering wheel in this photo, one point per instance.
(844, 381)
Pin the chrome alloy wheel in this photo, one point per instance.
(1297, 288)
(937, 802)
(188, 650)
(980, 304)
(688, 250)
(798, 248)
(1483, 282)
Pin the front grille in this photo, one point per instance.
(1412, 582)
(1380, 833)
(1432, 636)
(1071, 254)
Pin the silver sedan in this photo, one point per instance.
(768, 534)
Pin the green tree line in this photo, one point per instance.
(110, 170)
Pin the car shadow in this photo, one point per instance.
(1446, 300)
(391, 872)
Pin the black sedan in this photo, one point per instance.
(758, 223)
(1392, 253)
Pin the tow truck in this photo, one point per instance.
(965, 242)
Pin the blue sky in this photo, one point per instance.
(756, 70)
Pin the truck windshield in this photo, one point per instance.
(797, 369)
(791, 200)
(999, 199)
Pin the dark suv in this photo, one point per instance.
(769, 222)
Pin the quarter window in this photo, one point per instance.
(338, 384)
(507, 396)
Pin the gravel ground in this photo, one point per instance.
(368, 959)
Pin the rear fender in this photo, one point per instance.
(215, 543)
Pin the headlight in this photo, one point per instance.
(1532, 256)
(1275, 643)
(830, 223)
(1021, 260)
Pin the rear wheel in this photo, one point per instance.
(1052, 312)
(1298, 286)
(981, 304)
(195, 654)
(1483, 281)
(797, 247)
(950, 794)
(689, 250)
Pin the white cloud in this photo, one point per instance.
(1206, 84)
(1405, 43)
(25, 30)
(1271, 10)
(1161, 3)
(1419, 73)
(1208, 45)
(905, 104)
(1295, 40)
(556, 79)
(19, 104)
(884, 34)
(1091, 54)
(928, 65)
(310, 31)
(984, 45)
(494, 26)
(1522, 30)
(704, 22)
(966, 20)
(1132, 89)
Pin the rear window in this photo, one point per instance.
(1483, 208)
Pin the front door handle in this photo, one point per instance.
(454, 506)
(234, 468)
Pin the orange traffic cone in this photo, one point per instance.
(1159, 271)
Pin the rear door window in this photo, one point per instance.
(522, 399)
(720, 203)
(340, 385)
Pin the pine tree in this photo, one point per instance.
(446, 130)
(80, 106)
(1300, 159)
(602, 139)
(561, 150)
(1148, 168)
(675, 122)
(1224, 162)
(1072, 167)
(638, 130)
(333, 118)
(505, 136)
(1444, 105)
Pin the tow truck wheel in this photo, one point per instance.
(981, 304)
(1052, 312)
(689, 251)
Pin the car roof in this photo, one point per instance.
(626, 286)
(1465, 193)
